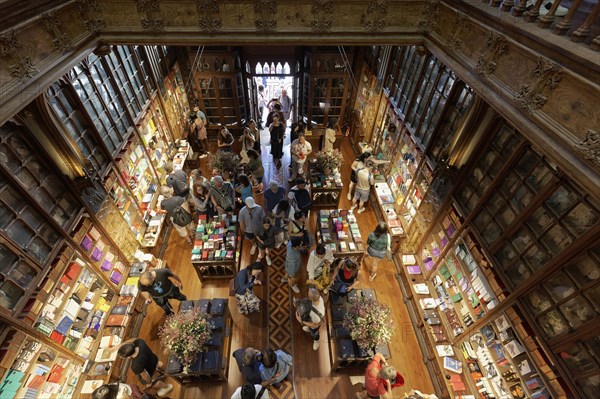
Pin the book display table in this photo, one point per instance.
(343, 351)
(326, 191)
(216, 253)
(213, 364)
(339, 231)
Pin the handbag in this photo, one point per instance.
(388, 252)
(232, 287)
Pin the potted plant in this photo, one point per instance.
(369, 323)
(225, 163)
(185, 334)
(329, 161)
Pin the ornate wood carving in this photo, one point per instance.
(151, 19)
(495, 46)
(461, 23)
(20, 66)
(53, 26)
(430, 14)
(266, 15)
(209, 15)
(92, 13)
(322, 11)
(374, 18)
(531, 96)
(590, 147)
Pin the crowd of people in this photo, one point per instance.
(281, 221)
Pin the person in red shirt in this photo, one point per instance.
(377, 379)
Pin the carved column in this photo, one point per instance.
(53, 26)
(209, 15)
(266, 15)
(496, 46)
(531, 97)
(151, 19)
(461, 23)
(374, 18)
(322, 11)
(92, 15)
(19, 65)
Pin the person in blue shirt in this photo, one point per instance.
(244, 188)
(275, 367)
(293, 258)
(245, 279)
(273, 195)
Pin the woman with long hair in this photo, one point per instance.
(378, 247)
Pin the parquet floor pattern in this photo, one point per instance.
(279, 334)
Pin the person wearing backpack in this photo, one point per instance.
(180, 211)
(177, 180)
(310, 313)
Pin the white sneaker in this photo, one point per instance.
(305, 328)
(163, 391)
(296, 289)
(349, 197)
(361, 210)
(253, 249)
(268, 260)
(353, 207)
(315, 345)
(284, 279)
(547, 5)
(203, 156)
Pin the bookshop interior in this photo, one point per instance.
(301, 199)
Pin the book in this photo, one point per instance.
(517, 391)
(413, 269)
(428, 303)
(421, 288)
(409, 260)
(444, 350)
(452, 364)
(514, 348)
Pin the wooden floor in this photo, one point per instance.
(313, 378)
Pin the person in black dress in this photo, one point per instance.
(277, 130)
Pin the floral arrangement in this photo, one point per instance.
(329, 160)
(225, 161)
(184, 334)
(369, 322)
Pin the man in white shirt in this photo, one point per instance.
(300, 149)
(310, 313)
(318, 259)
(363, 187)
(249, 391)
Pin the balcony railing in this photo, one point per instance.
(576, 19)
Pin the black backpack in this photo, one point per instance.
(181, 217)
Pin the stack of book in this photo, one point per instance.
(215, 239)
(339, 230)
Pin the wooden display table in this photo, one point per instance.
(213, 364)
(216, 252)
(351, 244)
(326, 191)
(343, 351)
